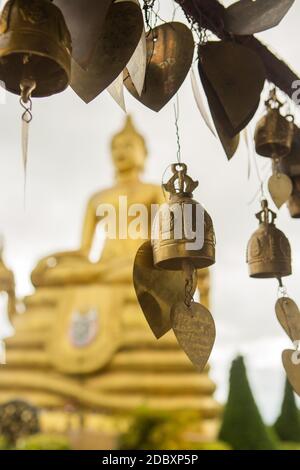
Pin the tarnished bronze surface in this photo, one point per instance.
(194, 328)
(274, 135)
(85, 20)
(269, 251)
(247, 17)
(170, 50)
(280, 188)
(177, 227)
(35, 44)
(230, 69)
(288, 315)
(117, 42)
(221, 122)
(291, 363)
(157, 290)
(290, 165)
(294, 205)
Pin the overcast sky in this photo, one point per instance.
(69, 159)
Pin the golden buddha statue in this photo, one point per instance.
(82, 340)
(115, 265)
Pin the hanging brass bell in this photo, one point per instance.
(269, 251)
(290, 165)
(294, 200)
(274, 132)
(35, 44)
(183, 231)
(294, 205)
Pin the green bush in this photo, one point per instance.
(43, 442)
(4, 445)
(243, 427)
(218, 445)
(287, 426)
(157, 430)
(289, 446)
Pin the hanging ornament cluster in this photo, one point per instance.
(273, 139)
(269, 256)
(290, 166)
(165, 269)
(95, 46)
(278, 138)
(269, 252)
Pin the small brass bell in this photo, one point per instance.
(290, 165)
(294, 200)
(269, 251)
(274, 132)
(35, 45)
(294, 205)
(183, 230)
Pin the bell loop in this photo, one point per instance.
(266, 215)
(273, 102)
(27, 86)
(180, 183)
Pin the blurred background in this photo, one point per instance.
(69, 159)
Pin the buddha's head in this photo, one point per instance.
(128, 148)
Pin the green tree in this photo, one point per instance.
(243, 427)
(287, 426)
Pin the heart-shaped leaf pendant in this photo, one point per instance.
(157, 290)
(170, 50)
(288, 315)
(195, 331)
(222, 124)
(247, 17)
(117, 42)
(280, 188)
(291, 364)
(229, 69)
(85, 20)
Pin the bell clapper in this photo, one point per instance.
(27, 86)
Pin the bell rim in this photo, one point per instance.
(176, 264)
(267, 275)
(57, 53)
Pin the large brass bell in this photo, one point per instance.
(35, 45)
(274, 132)
(183, 230)
(269, 251)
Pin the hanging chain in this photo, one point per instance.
(27, 115)
(282, 290)
(176, 114)
(148, 10)
(189, 270)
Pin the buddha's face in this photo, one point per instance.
(128, 153)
